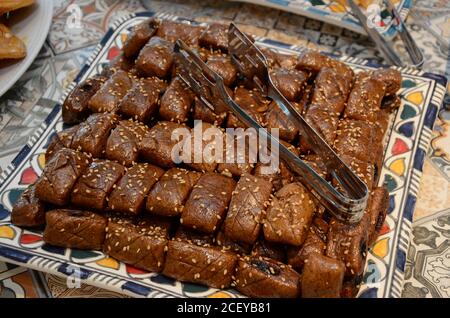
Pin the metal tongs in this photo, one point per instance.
(210, 89)
(386, 48)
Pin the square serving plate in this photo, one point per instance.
(333, 12)
(407, 141)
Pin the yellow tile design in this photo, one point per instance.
(108, 262)
(123, 37)
(398, 167)
(337, 7)
(381, 248)
(416, 98)
(7, 232)
(220, 294)
(41, 161)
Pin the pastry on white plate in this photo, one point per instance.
(11, 47)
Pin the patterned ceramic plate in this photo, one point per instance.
(334, 12)
(406, 146)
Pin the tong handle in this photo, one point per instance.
(338, 169)
(207, 85)
(380, 42)
(386, 48)
(413, 50)
(199, 77)
(350, 210)
(253, 64)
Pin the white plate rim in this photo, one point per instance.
(32, 53)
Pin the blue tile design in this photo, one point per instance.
(4, 213)
(430, 116)
(441, 79)
(161, 279)
(68, 270)
(369, 293)
(407, 129)
(52, 114)
(419, 158)
(136, 288)
(54, 249)
(400, 261)
(391, 204)
(15, 255)
(23, 153)
(409, 207)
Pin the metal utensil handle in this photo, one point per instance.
(252, 63)
(350, 182)
(197, 75)
(380, 42)
(350, 210)
(413, 50)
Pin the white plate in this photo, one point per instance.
(30, 24)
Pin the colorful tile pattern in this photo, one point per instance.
(27, 248)
(19, 282)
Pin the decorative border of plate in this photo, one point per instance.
(335, 13)
(407, 142)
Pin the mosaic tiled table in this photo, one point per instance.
(27, 104)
